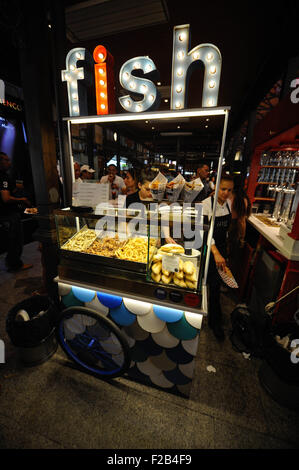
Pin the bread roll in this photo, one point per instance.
(191, 278)
(176, 281)
(166, 279)
(165, 272)
(156, 267)
(169, 248)
(189, 267)
(190, 285)
(156, 277)
(179, 275)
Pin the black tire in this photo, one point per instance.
(93, 342)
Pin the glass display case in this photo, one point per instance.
(158, 252)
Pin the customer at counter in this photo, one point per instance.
(144, 195)
(86, 173)
(116, 182)
(143, 191)
(202, 172)
(131, 182)
(218, 250)
(10, 215)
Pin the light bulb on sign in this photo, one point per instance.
(179, 89)
(177, 104)
(212, 84)
(182, 59)
(103, 106)
(72, 75)
(182, 37)
(101, 56)
(102, 82)
(101, 71)
(140, 85)
(102, 95)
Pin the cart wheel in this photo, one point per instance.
(93, 342)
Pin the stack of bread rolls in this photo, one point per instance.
(185, 277)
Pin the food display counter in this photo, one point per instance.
(152, 291)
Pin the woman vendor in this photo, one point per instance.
(144, 195)
(218, 250)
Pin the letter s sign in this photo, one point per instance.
(295, 93)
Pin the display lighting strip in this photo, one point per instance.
(71, 75)
(182, 60)
(104, 81)
(138, 85)
(217, 111)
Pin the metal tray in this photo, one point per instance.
(102, 260)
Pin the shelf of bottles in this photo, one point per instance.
(278, 167)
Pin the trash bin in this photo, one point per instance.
(35, 336)
(278, 375)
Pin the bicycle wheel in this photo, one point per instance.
(93, 342)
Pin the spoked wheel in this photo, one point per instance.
(93, 342)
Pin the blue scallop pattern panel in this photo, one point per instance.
(122, 316)
(110, 301)
(84, 295)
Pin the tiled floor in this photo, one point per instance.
(54, 406)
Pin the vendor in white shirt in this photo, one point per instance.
(116, 182)
(218, 249)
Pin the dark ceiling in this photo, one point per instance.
(256, 39)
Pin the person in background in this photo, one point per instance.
(86, 173)
(202, 172)
(241, 209)
(131, 182)
(77, 172)
(9, 214)
(116, 182)
(144, 195)
(212, 183)
(218, 250)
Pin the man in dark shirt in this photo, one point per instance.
(9, 215)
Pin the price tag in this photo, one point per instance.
(171, 263)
